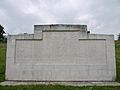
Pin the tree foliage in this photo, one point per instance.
(1, 33)
(119, 36)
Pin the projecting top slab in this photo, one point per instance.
(60, 27)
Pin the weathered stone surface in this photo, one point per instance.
(14, 83)
(61, 53)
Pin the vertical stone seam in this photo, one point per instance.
(15, 52)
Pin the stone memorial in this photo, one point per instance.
(60, 52)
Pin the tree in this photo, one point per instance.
(119, 36)
(1, 33)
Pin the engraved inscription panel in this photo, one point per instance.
(61, 48)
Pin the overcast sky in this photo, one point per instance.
(101, 16)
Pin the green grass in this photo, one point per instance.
(55, 87)
(2, 61)
(117, 49)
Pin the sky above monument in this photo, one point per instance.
(101, 16)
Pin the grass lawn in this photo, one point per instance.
(117, 48)
(55, 87)
(2, 61)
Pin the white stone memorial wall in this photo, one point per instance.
(60, 53)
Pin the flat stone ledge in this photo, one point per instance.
(60, 27)
(14, 83)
